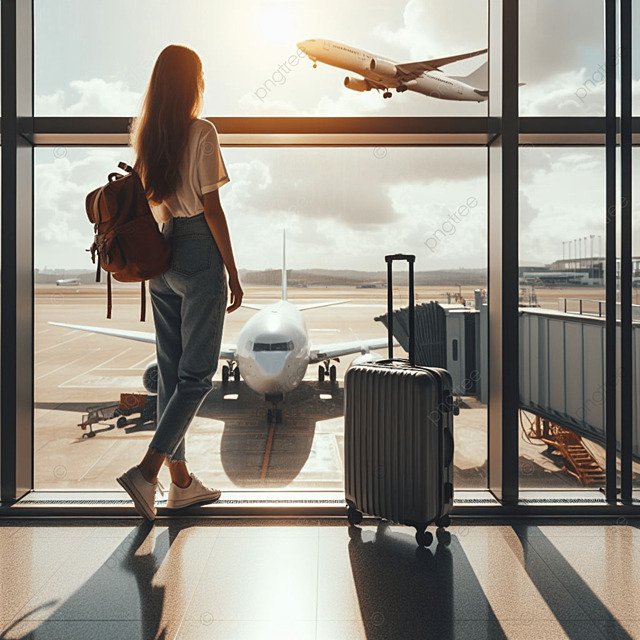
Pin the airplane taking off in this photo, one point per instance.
(423, 77)
(272, 352)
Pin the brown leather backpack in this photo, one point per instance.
(127, 239)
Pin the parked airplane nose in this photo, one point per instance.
(270, 364)
(302, 46)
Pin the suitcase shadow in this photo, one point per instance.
(405, 591)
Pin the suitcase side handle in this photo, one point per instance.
(390, 259)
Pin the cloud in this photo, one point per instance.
(63, 178)
(431, 28)
(90, 97)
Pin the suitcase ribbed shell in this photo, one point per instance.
(398, 441)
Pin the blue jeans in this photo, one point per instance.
(189, 304)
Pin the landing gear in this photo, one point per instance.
(401, 89)
(326, 369)
(387, 94)
(315, 64)
(274, 414)
(229, 370)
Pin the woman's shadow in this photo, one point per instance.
(120, 592)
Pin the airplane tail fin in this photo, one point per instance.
(284, 268)
(478, 79)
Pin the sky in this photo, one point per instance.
(342, 208)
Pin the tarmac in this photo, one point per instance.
(228, 443)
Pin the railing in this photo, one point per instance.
(583, 304)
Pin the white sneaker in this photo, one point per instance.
(195, 494)
(142, 493)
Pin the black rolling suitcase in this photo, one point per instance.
(398, 447)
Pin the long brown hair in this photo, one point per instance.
(173, 99)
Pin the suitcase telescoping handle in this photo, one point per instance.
(390, 260)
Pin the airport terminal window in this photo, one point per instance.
(271, 76)
(562, 75)
(343, 209)
(562, 325)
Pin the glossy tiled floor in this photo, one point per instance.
(318, 579)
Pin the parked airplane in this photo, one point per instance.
(423, 77)
(273, 349)
(67, 282)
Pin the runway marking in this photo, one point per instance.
(99, 459)
(59, 344)
(62, 366)
(84, 373)
(147, 361)
(266, 458)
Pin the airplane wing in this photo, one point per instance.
(319, 354)
(301, 307)
(227, 352)
(413, 70)
(317, 305)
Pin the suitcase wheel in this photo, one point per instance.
(445, 521)
(424, 538)
(444, 536)
(353, 515)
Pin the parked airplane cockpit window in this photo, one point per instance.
(273, 346)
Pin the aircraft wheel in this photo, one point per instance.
(333, 373)
(225, 374)
(121, 422)
(320, 373)
(387, 94)
(236, 375)
(269, 416)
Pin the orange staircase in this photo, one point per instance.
(579, 462)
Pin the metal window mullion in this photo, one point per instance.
(16, 375)
(610, 260)
(626, 246)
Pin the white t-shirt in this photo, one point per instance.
(202, 170)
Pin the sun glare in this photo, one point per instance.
(276, 23)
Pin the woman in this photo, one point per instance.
(181, 167)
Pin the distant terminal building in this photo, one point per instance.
(594, 267)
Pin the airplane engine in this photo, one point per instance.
(383, 68)
(150, 378)
(356, 84)
(366, 358)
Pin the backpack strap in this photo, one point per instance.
(125, 167)
(109, 302)
(98, 267)
(143, 301)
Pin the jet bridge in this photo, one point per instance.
(562, 361)
(562, 371)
